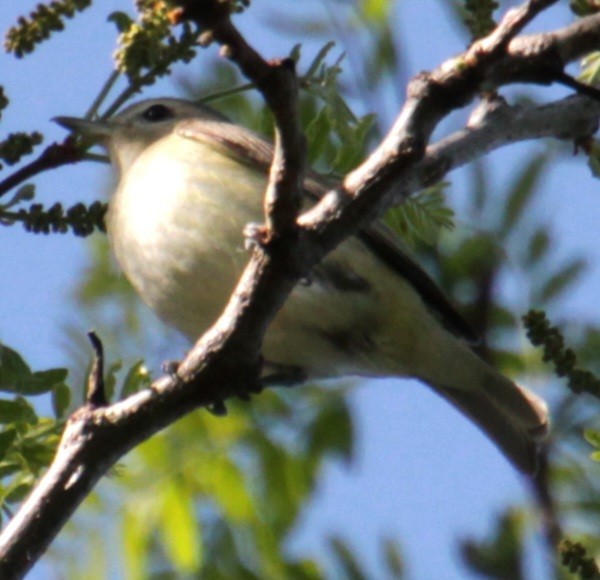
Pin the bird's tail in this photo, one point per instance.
(515, 419)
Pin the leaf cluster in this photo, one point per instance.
(541, 333)
(149, 47)
(41, 23)
(574, 556)
(479, 17)
(16, 145)
(27, 442)
(79, 219)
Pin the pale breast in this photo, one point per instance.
(175, 233)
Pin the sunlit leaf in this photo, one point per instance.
(179, 528)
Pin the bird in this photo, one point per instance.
(188, 181)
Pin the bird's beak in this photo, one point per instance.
(98, 130)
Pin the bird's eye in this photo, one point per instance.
(156, 113)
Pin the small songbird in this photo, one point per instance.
(189, 181)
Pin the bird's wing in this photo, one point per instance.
(252, 149)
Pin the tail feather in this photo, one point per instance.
(515, 419)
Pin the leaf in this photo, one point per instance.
(319, 59)
(38, 454)
(346, 560)
(13, 369)
(393, 558)
(6, 440)
(16, 411)
(522, 191)
(225, 481)
(538, 246)
(332, 432)
(19, 489)
(594, 158)
(137, 378)
(10, 468)
(110, 378)
(591, 69)
(135, 534)
(561, 281)
(61, 399)
(501, 555)
(16, 376)
(592, 437)
(179, 529)
(423, 216)
(43, 381)
(121, 20)
(24, 193)
(377, 11)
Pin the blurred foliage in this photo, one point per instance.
(147, 48)
(574, 557)
(423, 216)
(222, 497)
(541, 333)
(27, 442)
(79, 219)
(41, 23)
(479, 17)
(584, 7)
(501, 556)
(16, 145)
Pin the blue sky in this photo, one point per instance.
(423, 474)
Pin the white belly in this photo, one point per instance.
(177, 235)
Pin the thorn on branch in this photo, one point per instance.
(96, 391)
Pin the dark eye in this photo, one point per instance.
(157, 113)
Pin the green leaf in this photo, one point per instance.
(138, 377)
(110, 378)
(591, 69)
(377, 11)
(393, 558)
(19, 489)
(13, 369)
(179, 529)
(43, 381)
(331, 431)
(10, 468)
(592, 437)
(538, 246)
(594, 158)
(234, 498)
(562, 280)
(16, 376)
(7, 438)
(16, 411)
(501, 556)
(61, 399)
(135, 534)
(422, 217)
(121, 20)
(522, 191)
(346, 560)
